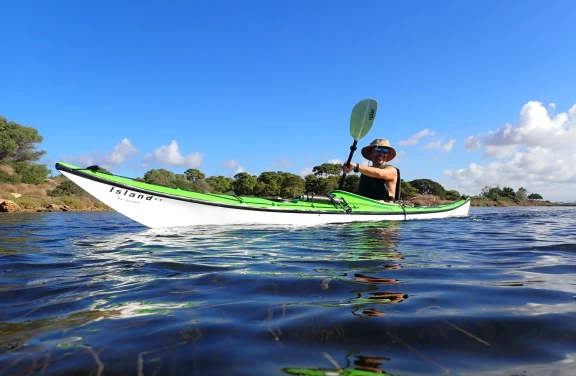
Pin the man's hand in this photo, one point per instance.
(348, 168)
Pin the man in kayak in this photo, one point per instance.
(380, 181)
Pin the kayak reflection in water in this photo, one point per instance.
(379, 181)
(363, 366)
(379, 243)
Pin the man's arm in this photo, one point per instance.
(373, 172)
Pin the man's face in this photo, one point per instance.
(379, 155)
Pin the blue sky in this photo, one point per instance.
(471, 93)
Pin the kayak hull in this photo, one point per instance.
(160, 207)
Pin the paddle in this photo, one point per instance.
(361, 120)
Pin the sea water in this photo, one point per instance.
(97, 294)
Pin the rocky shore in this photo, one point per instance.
(45, 205)
(8, 206)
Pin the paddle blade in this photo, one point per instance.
(362, 118)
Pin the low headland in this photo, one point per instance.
(19, 198)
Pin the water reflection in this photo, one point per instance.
(377, 242)
(362, 365)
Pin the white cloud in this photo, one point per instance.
(116, 157)
(232, 163)
(306, 171)
(121, 151)
(536, 127)
(438, 145)
(170, 155)
(336, 161)
(413, 140)
(538, 151)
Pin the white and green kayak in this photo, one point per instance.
(157, 206)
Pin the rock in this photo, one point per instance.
(7, 206)
(56, 208)
(16, 195)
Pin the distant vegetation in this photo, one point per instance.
(19, 156)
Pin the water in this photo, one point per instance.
(97, 294)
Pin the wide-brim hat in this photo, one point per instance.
(380, 142)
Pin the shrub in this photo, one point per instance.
(28, 202)
(66, 188)
(9, 178)
(31, 173)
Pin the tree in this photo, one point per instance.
(521, 194)
(321, 186)
(269, 185)
(244, 184)
(200, 186)
(327, 169)
(292, 185)
(66, 188)
(407, 190)
(535, 196)
(495, 193)
(350, 183)
(31, 173)
(17, 142)
(453, 195)
(193, 174)
(428, 187)
(160, 176)
(508, 192)
(220, 184)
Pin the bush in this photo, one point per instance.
(31, 173)
(66, 188)
(9, 178)
(30, 202)
(74, 203)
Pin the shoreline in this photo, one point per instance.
(56, 205)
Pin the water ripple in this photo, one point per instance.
(94, 293)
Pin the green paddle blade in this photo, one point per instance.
(362, 118)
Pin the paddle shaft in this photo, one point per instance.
(352, 150)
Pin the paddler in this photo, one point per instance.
(378, 181)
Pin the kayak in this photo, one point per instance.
(156, 206)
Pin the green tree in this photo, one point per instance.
(453, 195)
(292, 185)
(327, 169)
(244, 184)
(495, 193)
(200, 186)
(521, 193)
(160, 177)
(535, 196)
(428, 187)
(193, 174)
(321, 186)
(220, 184)
(407, 190)
(31, 173)
(350, 183)
(9, 178)
(17, 142)
(66, 188)
(269, 185)
(508, 192)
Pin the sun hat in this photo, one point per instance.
(380, 142)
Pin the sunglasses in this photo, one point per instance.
(381, 150)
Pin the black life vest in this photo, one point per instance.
(376, 189)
